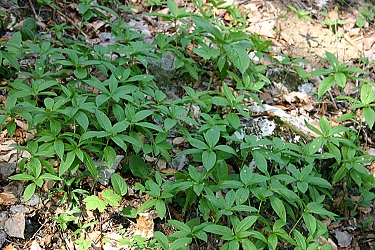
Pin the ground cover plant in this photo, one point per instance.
(97, 113)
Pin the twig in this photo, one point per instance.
(71, 22)
(332, 99)
(33, 9)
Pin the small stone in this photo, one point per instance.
(178, 140)
(161, 164)
(15, 225)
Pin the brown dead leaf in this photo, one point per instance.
(332, 15)
(227, 16)
(337, 201)
(15, 225)
(164, 11)
(349, 88)
(145, 225)
(7, 199)
(368, 41)
(9, 247)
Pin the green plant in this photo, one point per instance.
(301, 15)
(333, 24)
(63, 219)
(108, 198)
(368, 12)
(35, 169)
(159, 196)
(365, 104)
(339, 74)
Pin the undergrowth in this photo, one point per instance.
(87, 105)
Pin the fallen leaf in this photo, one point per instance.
(35, 246)
(145, 225)
(343, 238)
(15, 225)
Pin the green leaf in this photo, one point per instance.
(228, 93)
(103, 120)
(109, 155)
(119, 184)
(48, 176)
(93, 202)
(21, 177)
(301, 241)
(82, 120)
(172, 7)
(192, 71)
(80, 73)
(325, 85)
(260, 161)
(160, 208)
(310, 222)
(111, 198)
(278, 207)
(226, 148)
(324, 125)
(162, 239)
(272, 241)
(246, 223)
(302, 186)
(233, 120)
(138, 166)
(169, 123)
(339, 174)
(180, 226)
(369, 115)
(340, 79)
(208, 159)
(12, 60)
(139, 116)
(29, 192)
(220, 101)
(11, 128)
(66, 163)
(319, 182)
(90, 165)
(247, 244)
(212, 136)
(129, 212)
(197, 143)
(146, 205)
(317, 208)
(238, 56)
(181, 243)
(333, 60)
(367, 95)
(218, 229)
(59, 148)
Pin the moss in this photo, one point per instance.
(287, 132)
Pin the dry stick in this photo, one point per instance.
(71, 21)
(33, 9)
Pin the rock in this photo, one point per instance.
(180, 162)
(163, 70)
(289, 128)
(178, 140)
(15, 225)
(107, 172)
(285, 81)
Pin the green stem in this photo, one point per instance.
(212, 77)
(295, 225)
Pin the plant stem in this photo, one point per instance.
(295, 224)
